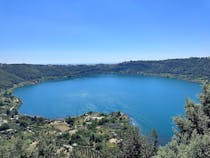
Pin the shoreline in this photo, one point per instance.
(30, 83)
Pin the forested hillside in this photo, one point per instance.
(191, 69)
(102, 135)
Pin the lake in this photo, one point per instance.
(151, 102)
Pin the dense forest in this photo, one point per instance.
(102, 135)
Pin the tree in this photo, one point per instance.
(70, 121)
(137, 146)
(4, 126)
(192, 136)
(205, 99)
(155, 140)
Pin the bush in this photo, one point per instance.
(70, 121)
(4, 126)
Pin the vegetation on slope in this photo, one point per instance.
(196, 69)
(192, 136)
(101, 135)
(88, 135)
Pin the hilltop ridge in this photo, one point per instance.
(195, 69)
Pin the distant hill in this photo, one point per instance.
(191, 69)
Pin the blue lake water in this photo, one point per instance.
(151, 102)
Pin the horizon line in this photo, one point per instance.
(98, 63)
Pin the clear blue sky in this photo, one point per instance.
(102, 31)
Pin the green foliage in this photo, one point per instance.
(70, 121)
(205, 99)
(198, 147)
(4, 126)
(155, 139)
(103, 121)
(137, 146)
(191, 69)
(24, 136)
(192, 137)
